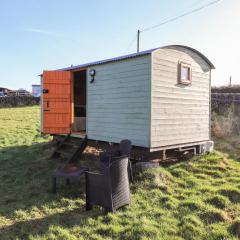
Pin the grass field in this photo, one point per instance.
(196, 199)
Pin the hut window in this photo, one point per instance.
(185, 73)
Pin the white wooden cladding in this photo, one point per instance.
(140, 99)
(118, 102)
(180, 114)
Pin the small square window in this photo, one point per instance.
(185, 73)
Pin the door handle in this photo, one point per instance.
(45, 90)
(47, 107)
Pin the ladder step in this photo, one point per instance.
(71, 148)
(75, 140)
(70, 145)
(64, 153)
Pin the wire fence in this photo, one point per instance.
(15, 101)
(226, 97)
(223, 102)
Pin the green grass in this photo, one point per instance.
(196, 199)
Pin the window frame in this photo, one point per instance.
(184, 81)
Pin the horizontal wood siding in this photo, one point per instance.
(118, 102)
(180, 114)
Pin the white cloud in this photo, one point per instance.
(41, 31)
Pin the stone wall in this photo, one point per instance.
(15, 101)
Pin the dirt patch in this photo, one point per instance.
(213, 173)
(232, 194)
(213, 216)
(218, 201)
(201, 176)
(193, 206)
(235, 228)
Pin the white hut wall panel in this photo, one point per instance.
(180, 114)
(118, 102)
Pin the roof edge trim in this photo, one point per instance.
(193, 50)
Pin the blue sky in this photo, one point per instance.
(37, 35)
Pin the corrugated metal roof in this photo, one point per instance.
(133, 55)
(142, 53)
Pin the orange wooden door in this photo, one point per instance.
(57, 102)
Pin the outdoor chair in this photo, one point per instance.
(109, 189)
(125, 148)
(68, 172)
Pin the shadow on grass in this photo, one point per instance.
(40, 226)
(25, 177)
(27, 205)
